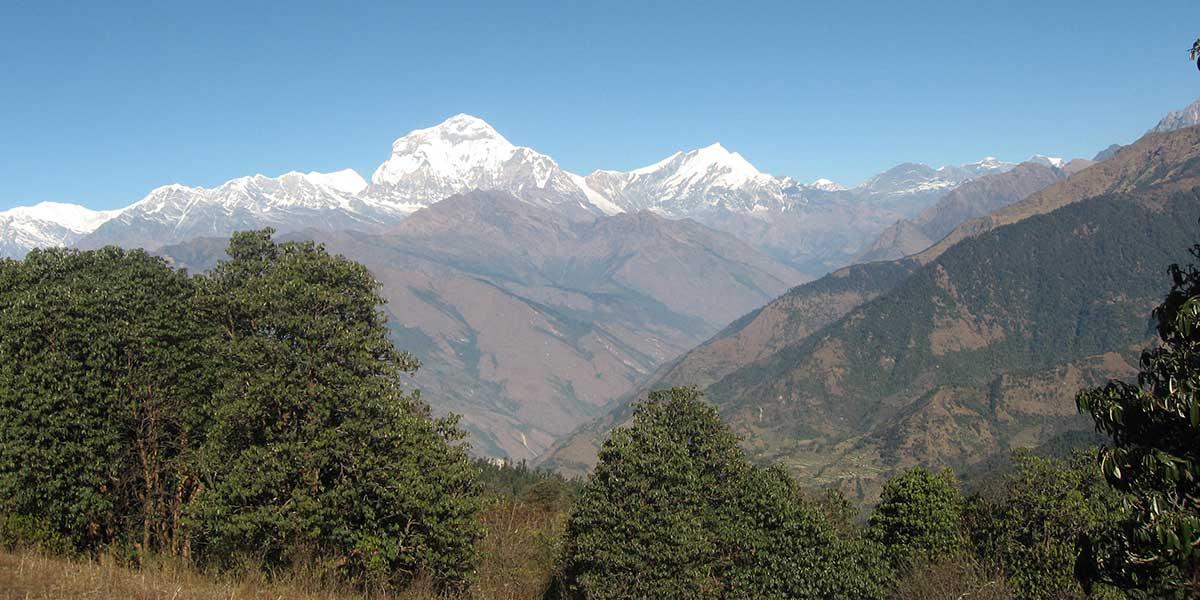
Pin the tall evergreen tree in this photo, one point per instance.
(674, 510)
(316, 452)
(919, 517)
(100, 364)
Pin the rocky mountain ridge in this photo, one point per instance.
(961, 351)
(814, 227)
(527, 322)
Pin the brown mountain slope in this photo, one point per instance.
(803, 310)
(983, 347)
(529, 324)
(1164, 161)
(925, 374)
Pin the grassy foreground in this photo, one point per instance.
(31, 575)
(516, 558)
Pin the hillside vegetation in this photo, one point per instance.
(966, 351)
(246, 432)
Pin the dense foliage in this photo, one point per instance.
(919, 517)
(100, 364)
(1042, 523)
(1155, 453)
(257, 415)
(540, 488)
(674, 510)
(254, 413)
(314, 447)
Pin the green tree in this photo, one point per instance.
(674, 510)
(1036, 522)
(1155, 453)
(316, 453)
(919, 517)
(100, 365)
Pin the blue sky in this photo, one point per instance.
(100, 102)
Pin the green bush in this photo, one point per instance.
(256, 413)
(674, 510)
(918, 518)
(1036, 523)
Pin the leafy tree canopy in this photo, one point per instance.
(1155, 453)
(316, 451)
(674, 510)
(919, 517)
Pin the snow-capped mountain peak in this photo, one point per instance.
(465, 153)
(988, 165)
(346, 180)
(47, 224)
(1049, 161)
(990, 162)
(915, 178)
(686, 182)
(826, 185)
(722, 167)
(450, 150)
(74, 217)
(712, 165)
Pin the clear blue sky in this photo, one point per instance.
(100, 102)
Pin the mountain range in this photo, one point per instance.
(47, 224)
(972, 199)
(541, 301)
(813, 227)
(528, 323)
(534, 303)
(969, 348)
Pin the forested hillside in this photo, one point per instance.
(800, 312)
(967, 356)
(974, 353)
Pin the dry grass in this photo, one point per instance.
(959, 578)
(516, 559)
(518, 552)
(31, 575)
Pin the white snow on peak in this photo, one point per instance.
(465, 153)
(712, 165)
(827, 185)
(988, 163)
(737, 170)
(346, 180)
(596, 198)
(648, 169)
(1050, 161)
(685, 183)
(79, 219)
(450, 150)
